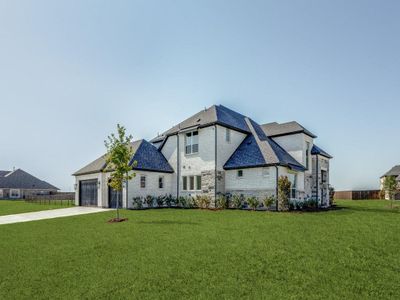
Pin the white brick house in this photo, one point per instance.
(216, 151)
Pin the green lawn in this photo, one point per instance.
(8, 207)
(350, 253)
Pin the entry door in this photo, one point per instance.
(88, 192)
(113, 195)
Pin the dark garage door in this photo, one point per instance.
(112, 198)
(88, 192)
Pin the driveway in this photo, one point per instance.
(50, 214)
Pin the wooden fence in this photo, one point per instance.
(357, 195)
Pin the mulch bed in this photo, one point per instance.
(115, 220)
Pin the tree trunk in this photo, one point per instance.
(117, 205)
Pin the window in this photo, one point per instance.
(14, 193)
(161, 182)
(307, 155)
(184, 180)
(143, 181)
(192, 142)
(293, 186)
(198, 183)
(191, 183)
(240, 173)
(227, 135)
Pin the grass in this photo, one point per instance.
(9, 207)
(349, 253)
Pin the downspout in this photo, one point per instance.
(177, 166)
(215, 174)
(276, 188)
(317, 184)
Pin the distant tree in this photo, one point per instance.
(283, 193)
(390, 186)
(118, 158)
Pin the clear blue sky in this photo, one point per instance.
(71, 70)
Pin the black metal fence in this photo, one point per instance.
(50, 201)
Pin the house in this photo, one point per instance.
(216, 151)
(19, 184)
(393, 172)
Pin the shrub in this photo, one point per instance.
(191, 202)
(283, 193)
(221, 202)
(181, 201)
(253, 202)
(160, 201)
(203, 201)
(269, 201)
(169, 200)
(331, 195)
(137, 202)
(237, 201)
(149, 200)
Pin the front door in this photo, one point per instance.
(113, 195)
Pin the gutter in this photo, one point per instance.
(215, 161)
(276, 188)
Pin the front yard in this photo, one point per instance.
(9, 207)
(349, 253)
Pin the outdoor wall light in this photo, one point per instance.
(98, 184)
(75, 186)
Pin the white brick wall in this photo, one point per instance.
(134, 189)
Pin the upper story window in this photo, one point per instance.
(240, 173)
(227, 135)
(307, 155)
(161, 182)
(143, 181)
(192, 142)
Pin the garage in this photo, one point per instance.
(113, 195)
(88, 192)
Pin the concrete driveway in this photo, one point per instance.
(50, 214)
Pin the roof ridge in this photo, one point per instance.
(268, 153)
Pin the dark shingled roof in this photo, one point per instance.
(275, 129)
(20, 179)
(257, 150)
(316, 150)
(216, 114)
(395, 171)
(147, 156)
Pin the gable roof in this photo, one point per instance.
(216, 114)
(316, 150)
(395, 171)
(19, 179)
(275, 129)
(258, 150)
(147, 156)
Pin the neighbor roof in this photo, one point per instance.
(257, 150)
(395, 171)
(316, 150)
(20, 179)
(216, 114)
(275, 129)
(147, 156)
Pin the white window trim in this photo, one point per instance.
(191, 143)
(188, 189)
(18, 193)
(228, 135)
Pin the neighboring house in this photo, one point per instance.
(216, 151)
(393, 172)
(19, 184)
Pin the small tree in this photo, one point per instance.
(283, 193)
(118, 160)
(390, 186)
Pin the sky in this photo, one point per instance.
(71, 70)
